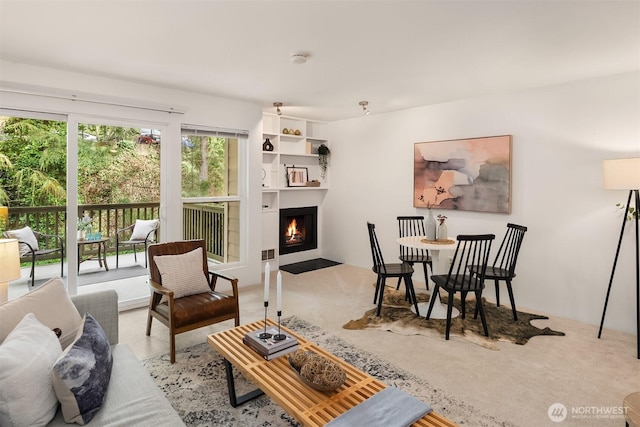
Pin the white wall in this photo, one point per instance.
(199, 110)
(561, 134)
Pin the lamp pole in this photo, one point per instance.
(625, 174)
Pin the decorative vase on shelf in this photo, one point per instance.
(430, 225)
(442, 232)
(267, 145)
(81, 235)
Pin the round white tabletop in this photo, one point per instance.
(439, 310)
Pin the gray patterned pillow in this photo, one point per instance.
(81, 375)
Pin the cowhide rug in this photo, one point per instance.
(396, 316)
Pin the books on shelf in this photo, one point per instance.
(270, 348)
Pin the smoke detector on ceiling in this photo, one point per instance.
(299, 58)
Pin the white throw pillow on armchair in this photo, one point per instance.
(183, 273)
(142, 228)
(24, 235)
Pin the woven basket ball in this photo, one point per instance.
(317, 371)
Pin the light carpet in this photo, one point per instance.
(396, 316)
(196, 385)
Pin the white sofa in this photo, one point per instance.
(132, 398)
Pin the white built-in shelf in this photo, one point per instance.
(288, 150)
(302, 188)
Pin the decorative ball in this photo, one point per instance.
(318, 371)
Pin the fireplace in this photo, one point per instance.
(298, 229)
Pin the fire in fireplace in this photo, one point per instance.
(298, 229)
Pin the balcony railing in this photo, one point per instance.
(200, 221)
(206, 221)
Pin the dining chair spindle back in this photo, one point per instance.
(472, 250)
(401, 271)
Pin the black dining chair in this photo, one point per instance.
(504, 265)
(400, 270)
(414, 226)
(472, 250)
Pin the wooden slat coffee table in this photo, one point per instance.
(281, 383)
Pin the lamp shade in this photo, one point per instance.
(621, 174)
(9, 260)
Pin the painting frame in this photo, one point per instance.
(297, 176)
(468, 174)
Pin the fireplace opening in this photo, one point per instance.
(298, 229)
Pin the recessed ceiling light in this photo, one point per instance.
(299, 58)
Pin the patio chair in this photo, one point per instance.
(184, 295)
(143, 233)
(35, 245)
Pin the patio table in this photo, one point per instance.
(102, 252)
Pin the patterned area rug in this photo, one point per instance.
(196, 385)
(396, 316)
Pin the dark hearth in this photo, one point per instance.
(298, 229)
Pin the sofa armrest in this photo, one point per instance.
(103, 306)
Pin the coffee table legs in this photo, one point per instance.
(231, 385)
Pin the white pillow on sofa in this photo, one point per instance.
(52, 306)
(25, 235)
(143, 227)
(183, 273)
(27, 357)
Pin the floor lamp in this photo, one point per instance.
(9, 266)
(624, 174)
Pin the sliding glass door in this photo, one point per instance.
(82, 180)
(33, 192)
(118, 189)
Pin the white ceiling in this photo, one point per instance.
(394, 54)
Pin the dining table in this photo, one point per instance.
(439, 266)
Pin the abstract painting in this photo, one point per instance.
(471, 174)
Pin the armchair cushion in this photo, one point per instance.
(51, 305)
(143, 227)
(183, 273)
(26, 387)
(81, 376)
(25, 235)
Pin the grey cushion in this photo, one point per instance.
(103, 306)
(132, 397)
(390, 407)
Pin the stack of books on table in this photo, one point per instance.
(269, 348)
